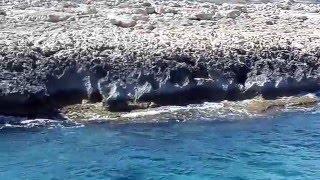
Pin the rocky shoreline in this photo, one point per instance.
(140, 54)
(87, 113)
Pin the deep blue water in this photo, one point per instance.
(285, 147)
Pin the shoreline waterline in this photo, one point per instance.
(284, 147)
(84, 114)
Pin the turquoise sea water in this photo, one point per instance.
(283, 147)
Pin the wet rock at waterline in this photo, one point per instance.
(256, 107)
(138, 54)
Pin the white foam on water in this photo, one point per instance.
(142, 113)
(208, 111)
(211, 111)
(39, 121)
(172, 109)
(20, 122)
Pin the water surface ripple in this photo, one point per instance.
(284, 147)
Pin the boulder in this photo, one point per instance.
(241, 8)
(140, 17)
(232, 13)
(151, 10)
(164, 10)
(68, 4)
(123, 21)
(57, 17)
(201, 16)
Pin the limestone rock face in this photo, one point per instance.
(115, 97)
(135, 52)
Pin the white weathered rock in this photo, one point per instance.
(289, 2)
(123, 21)
(68, 4)
(146, 4)
(139, 11)
(218, 15)
(150, 27)
(163, 10)
(176, 29)
(233, 14)
(150, 10)
(91, 9)
(270, 21)
(201, 16)
(140, 17)
(241, 8)
(186, 23)
(175, 4)
(301, 17)
(286, 4)
(143, 10)
(57, 17)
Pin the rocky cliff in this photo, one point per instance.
(137, 54)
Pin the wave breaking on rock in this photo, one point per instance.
(208, 111)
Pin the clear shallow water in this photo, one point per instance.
(285, 147)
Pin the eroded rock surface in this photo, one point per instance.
(159, 52)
